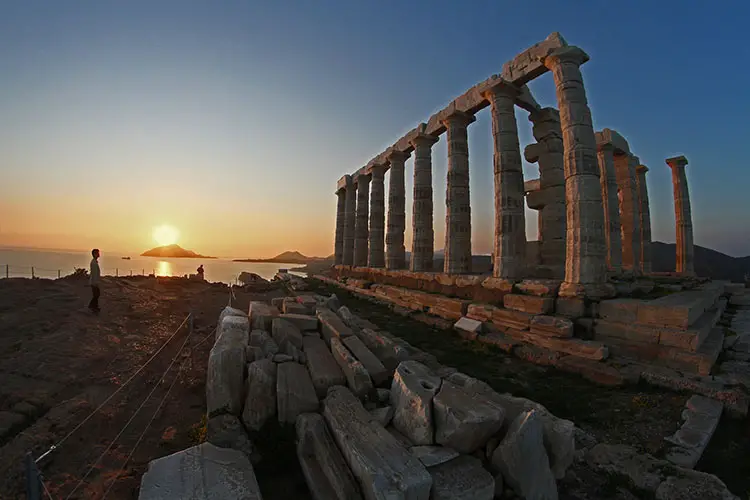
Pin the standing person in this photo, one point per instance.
(200, 272)
(94, 279)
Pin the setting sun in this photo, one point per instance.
(166, 234)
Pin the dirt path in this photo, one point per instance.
(58, 362)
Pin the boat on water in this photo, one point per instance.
(125, 258)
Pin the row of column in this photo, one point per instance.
(585, 234)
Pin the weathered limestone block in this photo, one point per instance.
(529, 303)
(347, 317)
(253, 353)
(480, 312)
(499, 340)
(412, 392)
(606, 329)
(551, 326)
(537, 355)
(356, 375)
(201, 472)
(464, 421)
(294, 392)
(372, 364)
(260, 399)
(325, 470)
(622, 310)
(383, 467)
(262, 340)
(468, 328)
(678, 310)
(523, 461)
(540, 288)
(431, 456)
(571, 308)
(304, 322)
(324, 371)
(332, 326)
(389, 352)
(226, 431)
(261, 315)
(226, 368)
(462, 478)
(528, 64)
(383, 415)
(285, 332)
(589, 349)
(291, 306)
(511, 319)
(228, 311)
(592, 369)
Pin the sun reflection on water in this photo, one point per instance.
(164, 268)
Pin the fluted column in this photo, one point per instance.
(611, 205)
(585, 253)
(510, 222)
(361, 230)
(423, 233)
(338, 247)
(683, 216)
(376, 256)
(630, 218)
(457, 197)
(350, 215)
(645, 218)
(394, 239)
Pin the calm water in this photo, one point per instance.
(47, 264)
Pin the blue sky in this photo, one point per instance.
(233, 120)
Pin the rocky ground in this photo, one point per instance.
(58, 362)
(639, 416)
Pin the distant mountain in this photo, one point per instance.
(707, 262)
(174, 252)
(289, 257)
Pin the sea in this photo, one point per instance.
(25, 263)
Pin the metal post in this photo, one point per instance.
(143, 272)
(117, 272)
(33, 481)
(58, 274)
(32, 272)
(7, 270)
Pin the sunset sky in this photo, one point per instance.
(232, 121)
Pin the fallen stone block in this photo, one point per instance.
(540, 288)
(372, 364)
(383, 415)
(468, 328)
(431, 456)
(295, 393)
(324, 371)
(260, 401)
(356, 375)
(261, 315)
(278, 303)
(551, 326)
(383, 467)
(464, 421)
(529, 303)
(325, 470)
(462, 478)
(412, 392)
(480, 312)
(595, 371)
(284, 332)
(226, 368)
(348, 318)
(570, 307)
(499, 340)
(537, 355)
(304, 322)
(261, 339)
(291, 306)
(509, 318)
(201, 472)
(523, 461)
(389, 352)
(589, 349)
(704, 405)
(228, 311)
(226, 431)
(332, 326)
(253, 353)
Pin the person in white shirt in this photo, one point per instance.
(94, 279)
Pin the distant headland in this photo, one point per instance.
(174, 252)
(293, 257)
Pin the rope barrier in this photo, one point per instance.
(143, 403)
(55, 446)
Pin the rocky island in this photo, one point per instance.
(293, 257)
(174, 252)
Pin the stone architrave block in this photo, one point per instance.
(462, 478)
(372, 364)
(529, 64)
(326, 472)
(381, 464)
(412, 392)
(203, 471)
(332, 326)
(468, 328)
(295, 393)
(304, 322)
(464, 421)
(356, 375)
(226, 368)
(284, 332)
(260, 401)
(523, 461)
(529, 303)
(551, 326)
(261, 315)
(324, 371)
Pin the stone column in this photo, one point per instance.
(585, 254)
(361, 230)
(423, 238)
(510, 221)
(457, 198)
(630, 214)
(394, 239)
(350, 215)
(338, 247)
(611, 205)
(683, 216)
(645, 218)
(376, 257)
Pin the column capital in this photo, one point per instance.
(502, 87)
(377, 169)
(641, 169)
(606, 146)
(458, 118)
(423, 140)
(394, 155)
(344, 183)
(569, 54)
(677, 161)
